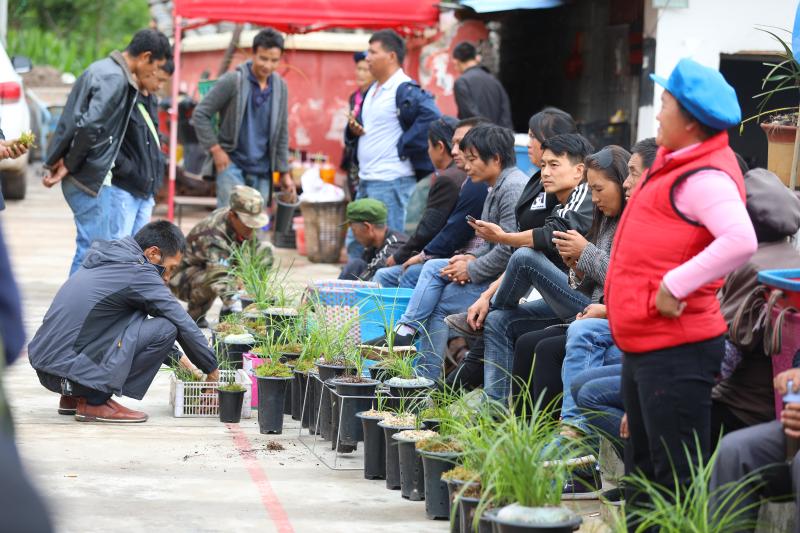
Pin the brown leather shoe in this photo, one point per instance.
(110, 412)
(67, 405)
(459, 323)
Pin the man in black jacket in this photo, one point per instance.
(367, 218)
(91, 128)
(139, 169)
(478, 93)
(97, 340)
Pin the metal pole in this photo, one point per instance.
(173, 115)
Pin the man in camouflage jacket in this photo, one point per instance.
(201, 278)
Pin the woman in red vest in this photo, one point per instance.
(684, 229)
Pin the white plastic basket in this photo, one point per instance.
(199, 398)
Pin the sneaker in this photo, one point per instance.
(459, 323)
(584, 483)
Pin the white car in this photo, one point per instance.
(14, 120)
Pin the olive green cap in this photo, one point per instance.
(367, 210)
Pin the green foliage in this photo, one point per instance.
(675, 510)
(71, 34)
(273, 368)
(232, 387)
(784, 75)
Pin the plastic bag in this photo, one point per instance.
(315, 190)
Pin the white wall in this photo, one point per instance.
(706, 29)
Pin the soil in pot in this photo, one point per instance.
(230, 406)
(358, 393)
(271, 397)
(374, 444)
(409, 394)
(392, 458)
(437, 500)
(519, 519)
(412, 481)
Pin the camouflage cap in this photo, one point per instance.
(248, 204)
(367, 210)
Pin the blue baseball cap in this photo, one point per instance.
(704, 93)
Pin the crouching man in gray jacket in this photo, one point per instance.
(112, 325)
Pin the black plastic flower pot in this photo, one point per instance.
(374, 447)
(271, 397)
(502, 526)
(298, 389)
(246, 301)
(431, 423)
(381, 374)
(336, 441)
(325, 409)
(467, 507)
(437, 500)
(230, 406)
(277, 321)
(233, 353)
(289, 357)
(305, 406)
(392, 456)
(313, 391)
(411, 399)
(355, 397)
(287, 402)
(412, 480)
(327, 372)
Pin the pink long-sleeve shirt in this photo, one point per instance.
(711, 198)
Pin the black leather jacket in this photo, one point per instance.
(93, 123)
(139, 168)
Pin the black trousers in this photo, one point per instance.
(153, 348)
(667, 396)
(538, 358)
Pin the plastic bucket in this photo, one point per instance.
(299, 235)
(285, 213)
(380, 309)
(787, 280)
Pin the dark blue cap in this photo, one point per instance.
(704, 93)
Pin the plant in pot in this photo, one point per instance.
(235, 346)
(230, 325)
(439, 454)
(392, 424)
(412, 480)
(692, 508)
(783, 122)
(355, 393)
(374, 443)
(250, 268)
(407, 386)
(272, 378)
(231, 397)
(524, 473)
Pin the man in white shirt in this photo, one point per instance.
(386, 168)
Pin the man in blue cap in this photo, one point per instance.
(661, 293)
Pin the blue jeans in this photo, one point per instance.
(589, 345)
(89, 222)
(530, 268)
(124, 213)
(394, 276)
(526, 268)
(502, 328)
(395, 195)
(598, 394)
(433, 299)
(233, 176)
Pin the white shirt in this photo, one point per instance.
(377, 148)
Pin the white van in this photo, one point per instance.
(14, 120)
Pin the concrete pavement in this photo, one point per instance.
(170, 474)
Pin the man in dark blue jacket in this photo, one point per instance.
(91, 128)
(97, 340)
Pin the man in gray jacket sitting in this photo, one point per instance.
(253, 138)
(97, 340)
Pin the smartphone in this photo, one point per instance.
(470, 218)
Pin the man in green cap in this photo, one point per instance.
(200, 278)
(367, 218)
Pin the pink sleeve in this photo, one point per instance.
(711, 198)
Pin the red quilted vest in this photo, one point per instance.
(652, 239)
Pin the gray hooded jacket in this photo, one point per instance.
(89, 333)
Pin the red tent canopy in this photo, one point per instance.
(310, 15)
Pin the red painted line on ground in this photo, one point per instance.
(269, 499)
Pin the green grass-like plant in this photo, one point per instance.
(273, 368)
